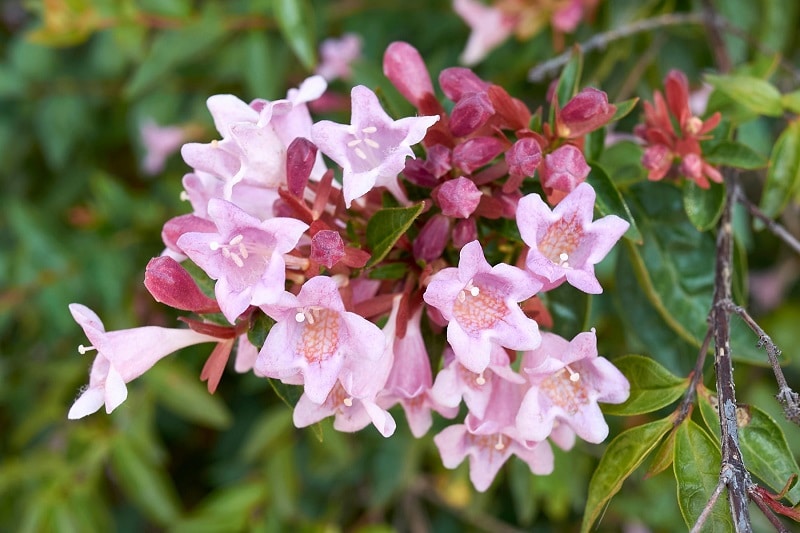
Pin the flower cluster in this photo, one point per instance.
(667, 145)
(281, 237)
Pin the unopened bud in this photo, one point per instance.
(456, 82)
(586, 112)
(300, 158)
(405, 68)
(465, 231)
(459, 197)
(470, 113)
(327, 247)
(477, 152)
(171, 284)
(564, 169)
(432, 239)
(524, 157)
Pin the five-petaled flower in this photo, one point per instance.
(567, 379)
(245, 256)
(372, 150)
(481, 304)
(564, 243)
(122, 356)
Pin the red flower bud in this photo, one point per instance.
(524, 157)
(301, 155)
(432, 238)
(405, 68)
(459, 197)
(470, 113)
(564, 169)
(459, 81)
(171, 284)
(327, 247)
(477, 152)
(465, 231)
(586, 112)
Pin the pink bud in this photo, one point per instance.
(586, 112)
(177, 226)
(564, 169)
(676, 89)
(657, 159)
(327, 247)
(432, 238)
(477, 152)
(416, 171)
(524, 157)
(171, 284)
(470, 113)
(405, 68)
(459, 197)
(465, 231)
(692, 166)
(439, 160)
(459, 81)
(301, 155)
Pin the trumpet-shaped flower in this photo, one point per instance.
(350, 413)
(480, 304)
(315, 337)
(564, 243)
(373, 148)
(245, 256)
(122, 356)
(567, 379)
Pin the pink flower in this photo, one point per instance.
(567, 379)
(337, 55)
(371, 150)
(564, 243)
(122, 356)
(480, 303)
(350, 414)
(490, 441)
(315, 337)
(490, 27)
(159, 142)
(245, 256)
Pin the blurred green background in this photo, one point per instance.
(79, 219)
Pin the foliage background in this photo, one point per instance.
(79, 220)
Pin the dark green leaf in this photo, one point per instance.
(703, 206)
(622, 456)
(754, 94)
(652, 386)
(783, 176)
(624, 108)
(295, 20)
(389, 271)
(594, 144)
(664, 455)
(174, 48)
(622, 162)
(696, 465)
(144, 482)
(386, 227)
(569, 309)
(610, 202)
(260, 324)
(180, 391)
(734, 154)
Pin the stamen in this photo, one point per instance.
(499, 445)
(237, 260)
(369, 129)
(214, 143)
(236, 240)
(474, 291)
(573, 376)
(563, 256)
(371, 143)
(300, 316)
(462, 296)
(214, 245)
(83, 349)
(348, 402)
(360, 153)
(480, 380)
(354, 142)
(184, 196)
(243, 250)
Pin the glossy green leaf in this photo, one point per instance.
(570, 79)
(764, 447)
(652, 386)
(664, 455)
(172, 49)
(754, 94)
(179, 390)
(295, 20)
(622, 456)
(703, 206)
(783, 176)
(609, 201)
(144, 482)
(624, 108)
(697, 465)
(260, 325)
(386, 227)
(791, 101)
(734, 154)
(389, 271)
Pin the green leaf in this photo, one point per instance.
(624, 108)
(569, 309)
(610, 202)
(144, 482)
(295, 20)
(570, 79)
(622, 456)
(754, 94)
(180, 391)
(703, 206)
(764, 447)
(174, 48)
(783, 176)
(61, 122)
(226, 509)
(663, 457)
(734, 154)
(260, 324)
(696, 465)
(386, 227)
(652, 386)
(791, 101)
(389, 271)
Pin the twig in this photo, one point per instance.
(773, 519)
(739, 479)
(789, 399)
(779, 231)
(685, 408)
(701, 520)
(714, 25)
(601, 40)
